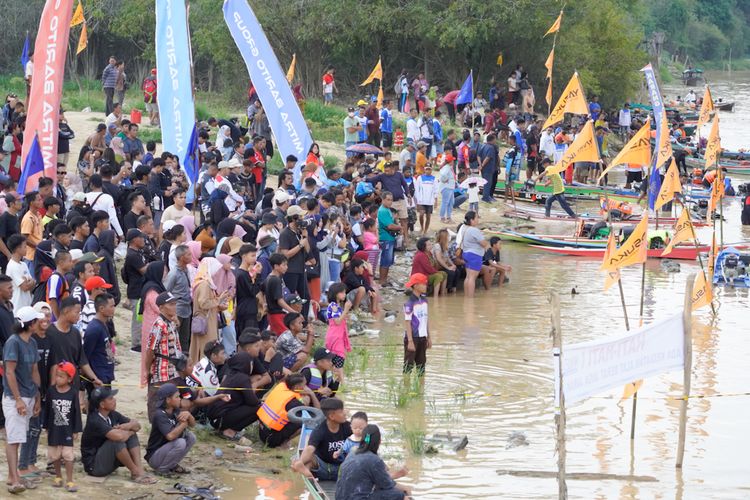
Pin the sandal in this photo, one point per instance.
(71, 487)
(28, 484)
(16, 488)
(57, 482)
(144, 479)
(179, 469)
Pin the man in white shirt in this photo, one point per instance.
(547, 143)
(18, 271)
(234, 201)
(412, 128)
(28, 73)
(115, 116)
(98, 200)
(624, 121)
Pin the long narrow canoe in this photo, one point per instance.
(538, 214)
(575, 189)
(680, 252)
(547, 239)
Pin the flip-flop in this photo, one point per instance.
(28, 484)
(16, 488)
(145, 479)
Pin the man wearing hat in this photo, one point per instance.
(133, 272)
(170, 440)
(94, 286)
(110, 439)
(163, 341)
(281, 202)
(295, 246)
(319, 374)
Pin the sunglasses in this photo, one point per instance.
(62, 172)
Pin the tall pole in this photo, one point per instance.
(687, 367)
(562, 487)
(700, 259)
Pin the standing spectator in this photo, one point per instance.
(109, 82)
(402, 90)
(513, 89)
(148, 309)
(163, 345)
(595, 108)
(624, 120)
(63, 422)
(21, 399)
(274, 293)
(57, 289)
(386, 125)
(132, 145)
(329, 85)
(120, 84)
(295, 246)
(178, 282)
(425, 196)
(420, 86)
(412, 128)
(387, 231)
(207, 303)
(446, 187)
(99, 200)
(249, 285)
(471, 241)
(31, 224)
(133, 275)
(373, 123)
(488, 158)
(149, 97)
(352, 128)
(23, 282)
(28, 74)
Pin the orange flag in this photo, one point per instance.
(375, 74)
(583, 148)
(572, 100)
(292, 66)
(683, 231)
(713, 146)
(548, 97)
(707, 107)
(664, 148)
(633, 251)
(83, 40)
(611, 277)
(637, 150)
(77, 16)
(549, 62)
(631, 389)
(670, 185)
(702, 292)
(717, 193)
(555, 26)
(380, 95)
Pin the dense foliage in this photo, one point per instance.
(602, 39)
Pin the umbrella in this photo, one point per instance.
(365, 149)
(479, 181)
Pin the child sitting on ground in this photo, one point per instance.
(337, 336)
(358, 423)
(63, 422)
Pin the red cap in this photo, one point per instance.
(68, 368)
(96, 282)
(153, 71)
(416, 278)
(449, 158)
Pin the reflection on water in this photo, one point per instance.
(490, 374)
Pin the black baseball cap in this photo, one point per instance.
(165, 298)
(100, 394)
(133, 234)
(322, 353)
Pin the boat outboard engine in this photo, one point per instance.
(731, 267)
(744, 189)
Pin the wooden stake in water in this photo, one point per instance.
(562, 487)
(687, 367)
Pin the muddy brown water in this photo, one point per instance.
(490, 374)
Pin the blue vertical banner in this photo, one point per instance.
(25, 54)
(284, 116)
(174, 81)
(658, 107)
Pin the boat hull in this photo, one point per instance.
(678, 253)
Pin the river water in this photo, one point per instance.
(490, 374)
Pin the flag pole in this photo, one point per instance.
(697, 248)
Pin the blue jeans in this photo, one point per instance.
(560, 198)
(28, 453)
(386, 253)
(459, 200)
(334, 270)
(487, 174)
(229, 339)
(446, 203)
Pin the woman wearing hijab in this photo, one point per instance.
(224, 142)
(207, 302)
(188, 222)
(107, 267)
(364, 475)
(226, 283)
(196, 251)
(154, 285)
(231, 417)
(218, 209)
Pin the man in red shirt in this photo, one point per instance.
(373, 123)
(437, 280)
(258, 158)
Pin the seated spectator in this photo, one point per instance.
(110, 439)
(232, 416)
(274, 428)
(170, 440)
(358, 290)
(294, 352)
(319, 374)
(316, 460)
(205, 373)
(422, 263)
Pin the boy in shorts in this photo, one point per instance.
(63, 422)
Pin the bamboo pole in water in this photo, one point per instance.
(687, 367)
(562, 487)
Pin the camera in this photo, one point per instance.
(304, 223)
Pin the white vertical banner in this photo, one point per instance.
(593, 367)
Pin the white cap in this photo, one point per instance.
(28, 313)
(234, 163)
(79, 196)
(76, 254)
(223, 164)
(168, 225)
(281, 197)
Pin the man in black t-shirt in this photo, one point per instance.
(295, 246)
(9, 225)
(274, 290)
(135, 267)
(317, 459)
(170, 440)
(137, 208)
(110, 439)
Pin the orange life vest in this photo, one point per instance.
(710, 176)
(273, 410)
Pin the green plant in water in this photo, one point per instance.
(414, 439)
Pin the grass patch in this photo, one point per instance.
(357, 359)
(149, 134)
(402, 392)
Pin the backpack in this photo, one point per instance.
(149, 90)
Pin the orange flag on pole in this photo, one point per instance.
(375, 74)
(583, 148)
(292, 66)
(611, 277)
(669, 186)
(83, 40)
(77, 16)
(633, 251)
(555, 26)
(707, 107)
(572, 100)
(664, 148)
(702, 292)
(637, 150)
(548, 96)
(380, 95)
(717, 193)
(713, 146)
(549, 62)
(712, 254)
(683, 231)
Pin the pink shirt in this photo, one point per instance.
(370, 240)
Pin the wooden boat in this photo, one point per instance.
(538, 214)
(693, 77)
(724, 105)
(680, 252)
(547, 239)
(309, 418)
(731, 269)
(576, 191)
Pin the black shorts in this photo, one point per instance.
(634, 177)
(387, 139)
(427, 209)
(338, 361)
